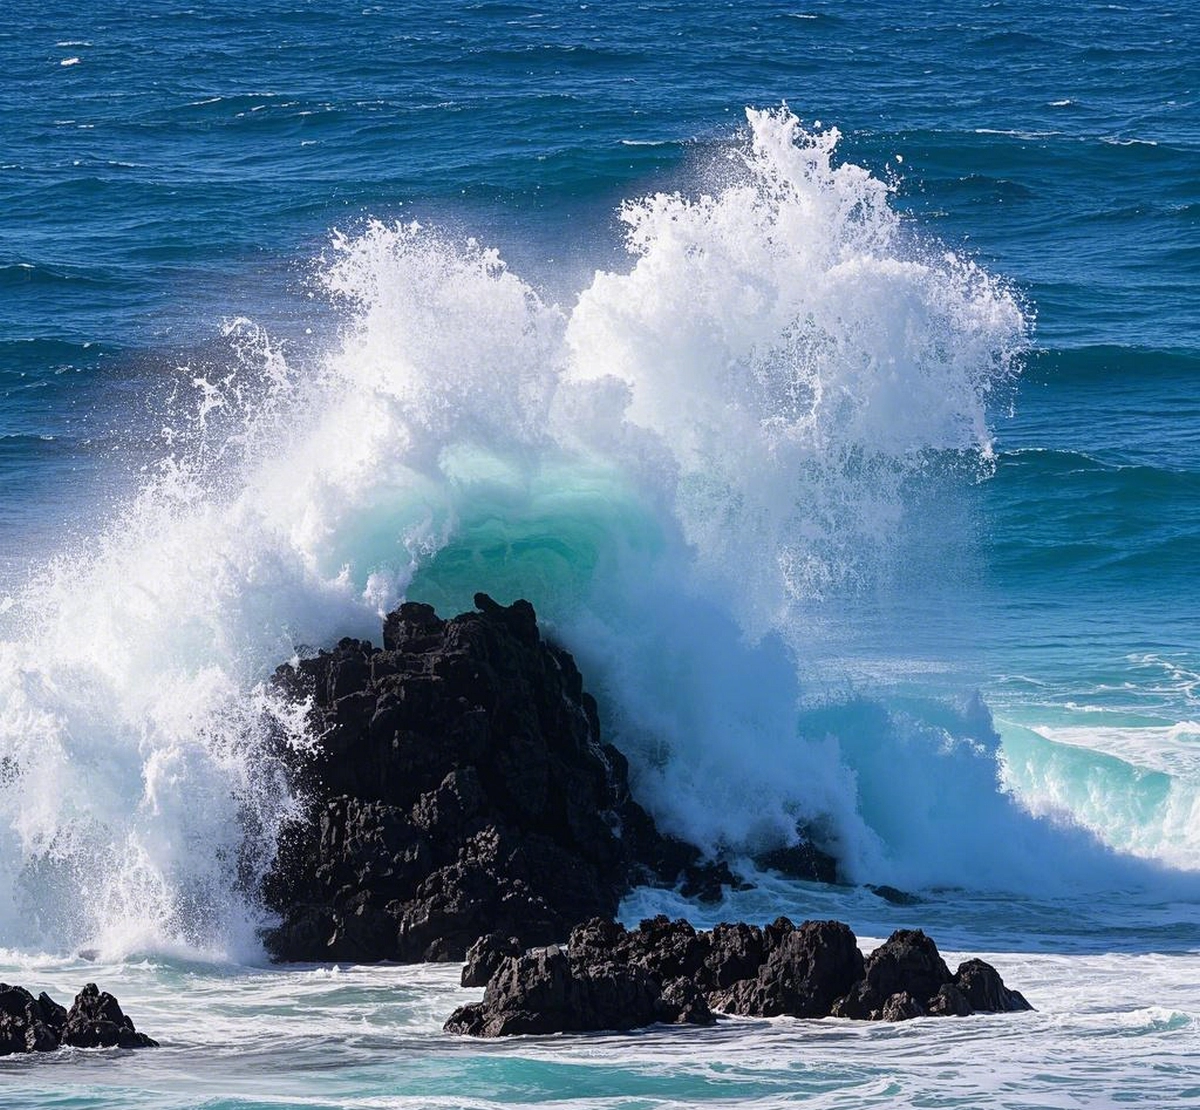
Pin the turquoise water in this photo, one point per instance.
(860, 469)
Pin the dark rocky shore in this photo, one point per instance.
(460, 786)
(608, 977)
(95, 1020)
(461, 802)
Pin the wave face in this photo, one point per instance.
(694, 471)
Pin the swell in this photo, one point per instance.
(19, 274)
(1128, 502)
(1113, 518)
(1112, 365)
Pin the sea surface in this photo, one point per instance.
(826, 374)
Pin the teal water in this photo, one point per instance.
(860, 470)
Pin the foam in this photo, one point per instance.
(674, 469)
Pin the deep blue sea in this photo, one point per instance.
(826, 374)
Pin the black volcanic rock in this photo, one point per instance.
(908, 964)
(96, 1020)
(895, 896)
(545, 991)
(485, 956)
(950, 1001)
(805, 970)
(29, 1024)
(459, 787)
(902, 1007)
(735, 952)
(610, 977)
(984, 991)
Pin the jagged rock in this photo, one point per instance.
(610, 977)
(901, 1007)
(804, 971)
(460, 786)
(668, 949)
(735, 952)
(29, 1024)
(599, 940)
(544, 992)
(984, 991)
(683, 1003)
(526, 994)
(53, 1015)
(857, 1003)
(907, 962)
(949, 1002)
(484, 956)
(96, 1020)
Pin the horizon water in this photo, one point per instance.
(825, 375)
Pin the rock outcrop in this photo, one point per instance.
(40, 1024)
(610, 977)
(459, 786)
(908, 963)
(29, 1024)
(485, 956)
(543, 991)
(96, 1020)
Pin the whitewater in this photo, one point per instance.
(735, 472)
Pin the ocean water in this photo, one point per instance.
(825, 374)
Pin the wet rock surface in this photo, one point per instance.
(95, 1020)
(610, 977)
(485, 956)
(459, 786)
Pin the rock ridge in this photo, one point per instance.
(95, 1020)
(610, 977)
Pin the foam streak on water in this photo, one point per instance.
(370, 1037)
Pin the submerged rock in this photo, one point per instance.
(95, 1020)
(802, 860)
(610, 977)
(894, 895)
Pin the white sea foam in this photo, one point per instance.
(1109, 1029)
(674, 469)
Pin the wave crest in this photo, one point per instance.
(672, 469)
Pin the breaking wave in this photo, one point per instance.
(677, 469)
